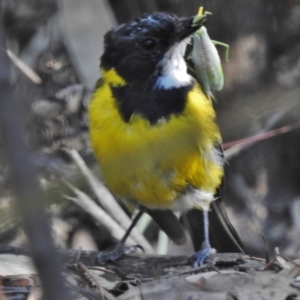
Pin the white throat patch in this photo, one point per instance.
(174, 68)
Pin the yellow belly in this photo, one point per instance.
(154, 164)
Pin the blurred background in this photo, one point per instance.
(62, 42)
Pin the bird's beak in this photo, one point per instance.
(187, 26)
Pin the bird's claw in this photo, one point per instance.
(119, 251)
(200, 256)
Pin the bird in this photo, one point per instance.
(153, 130)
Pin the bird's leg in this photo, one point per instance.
(200, 256)
(120, 248)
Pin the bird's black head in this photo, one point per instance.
(149, 47)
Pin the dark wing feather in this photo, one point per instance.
(170, 224)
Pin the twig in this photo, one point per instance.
(35, 78)
(97, 212)
(105, 198)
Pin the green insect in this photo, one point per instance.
(205, 58)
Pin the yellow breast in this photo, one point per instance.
(154, 164)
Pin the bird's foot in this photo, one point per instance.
(119, 251)
(200, 256)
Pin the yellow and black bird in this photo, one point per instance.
(153, 129)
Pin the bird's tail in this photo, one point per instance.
(223, 235)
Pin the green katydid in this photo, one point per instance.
(204, 55)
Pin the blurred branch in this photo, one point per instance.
(234, 147)
(288, 104)
(24, 68)
(97, 212)
(28, 197)
(106, 199)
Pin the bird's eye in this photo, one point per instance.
(149, 44)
